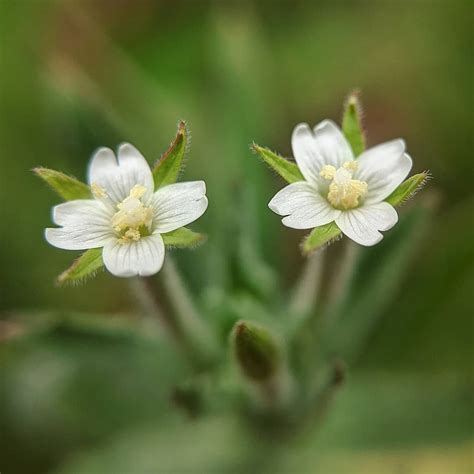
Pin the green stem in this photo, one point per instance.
(189, 320)
(144, 293)
(324, 395)
(341, 282)
(306, 291)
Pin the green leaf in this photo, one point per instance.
(352, 123)
(183, 238)
(320, 236)
(408, 189)
(286, 169)
(168, 167)
(67, 187)
(86, 265)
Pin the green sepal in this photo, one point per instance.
(168, 167)
(85, 266)
(288, 170)
(68, 187)
(408, 189)
(256, 351)
(320, 237)
(352, 123)
(183, 238)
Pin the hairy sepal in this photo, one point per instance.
(86, 266)
(183, 238)
(167, 169)
(68, 187)
(288, 170)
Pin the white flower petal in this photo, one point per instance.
(136, 169)
(144, 257)
(326, 145)
(179, 204)
(77, 237)
(86, 211)
(355, 225)
(382, 215)
(86, 225)
(118, 178)
(383, 168)
(303, 207)
(363, 224)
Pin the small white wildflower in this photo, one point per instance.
(338, 188)
(126, 216)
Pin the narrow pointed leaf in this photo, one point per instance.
(67, 187)
(183, 238)
(168, 167)
(319, 237)
(352, 124)
(85, 266)
(408, 189)
(288, 170)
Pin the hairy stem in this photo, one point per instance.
(188, 318)
(306, 291)
(144, 293)
(342, 281)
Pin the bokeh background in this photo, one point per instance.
(81, 392)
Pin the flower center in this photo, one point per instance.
(133, 219)
(344, 192)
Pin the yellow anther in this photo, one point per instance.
(347, 196)
(133, 217)
(350, 165)
(98, 191)
(137, 191)
(129, 236)
(328, 172)
(344, 192)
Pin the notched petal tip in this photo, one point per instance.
(102, 159)
(126, 151)
(202, 186)
(295, 223)
(327, 123)
(47, 235)
(300, 130)
(408, 161)
(274, 206)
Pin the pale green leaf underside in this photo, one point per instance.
(352, 124)
(85, 266)
(407, 189)
(67, 187)
(168, 167)
(286, 169)
(183, 238)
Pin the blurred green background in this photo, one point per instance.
(85, 394)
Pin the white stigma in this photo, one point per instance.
(133, 218)
(344, 192)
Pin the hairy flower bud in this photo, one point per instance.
(256, 351)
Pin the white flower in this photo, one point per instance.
(126, 217)
(339, 188)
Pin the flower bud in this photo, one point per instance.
(256, 351)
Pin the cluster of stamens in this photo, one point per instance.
(133, 219)
(344, 192)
